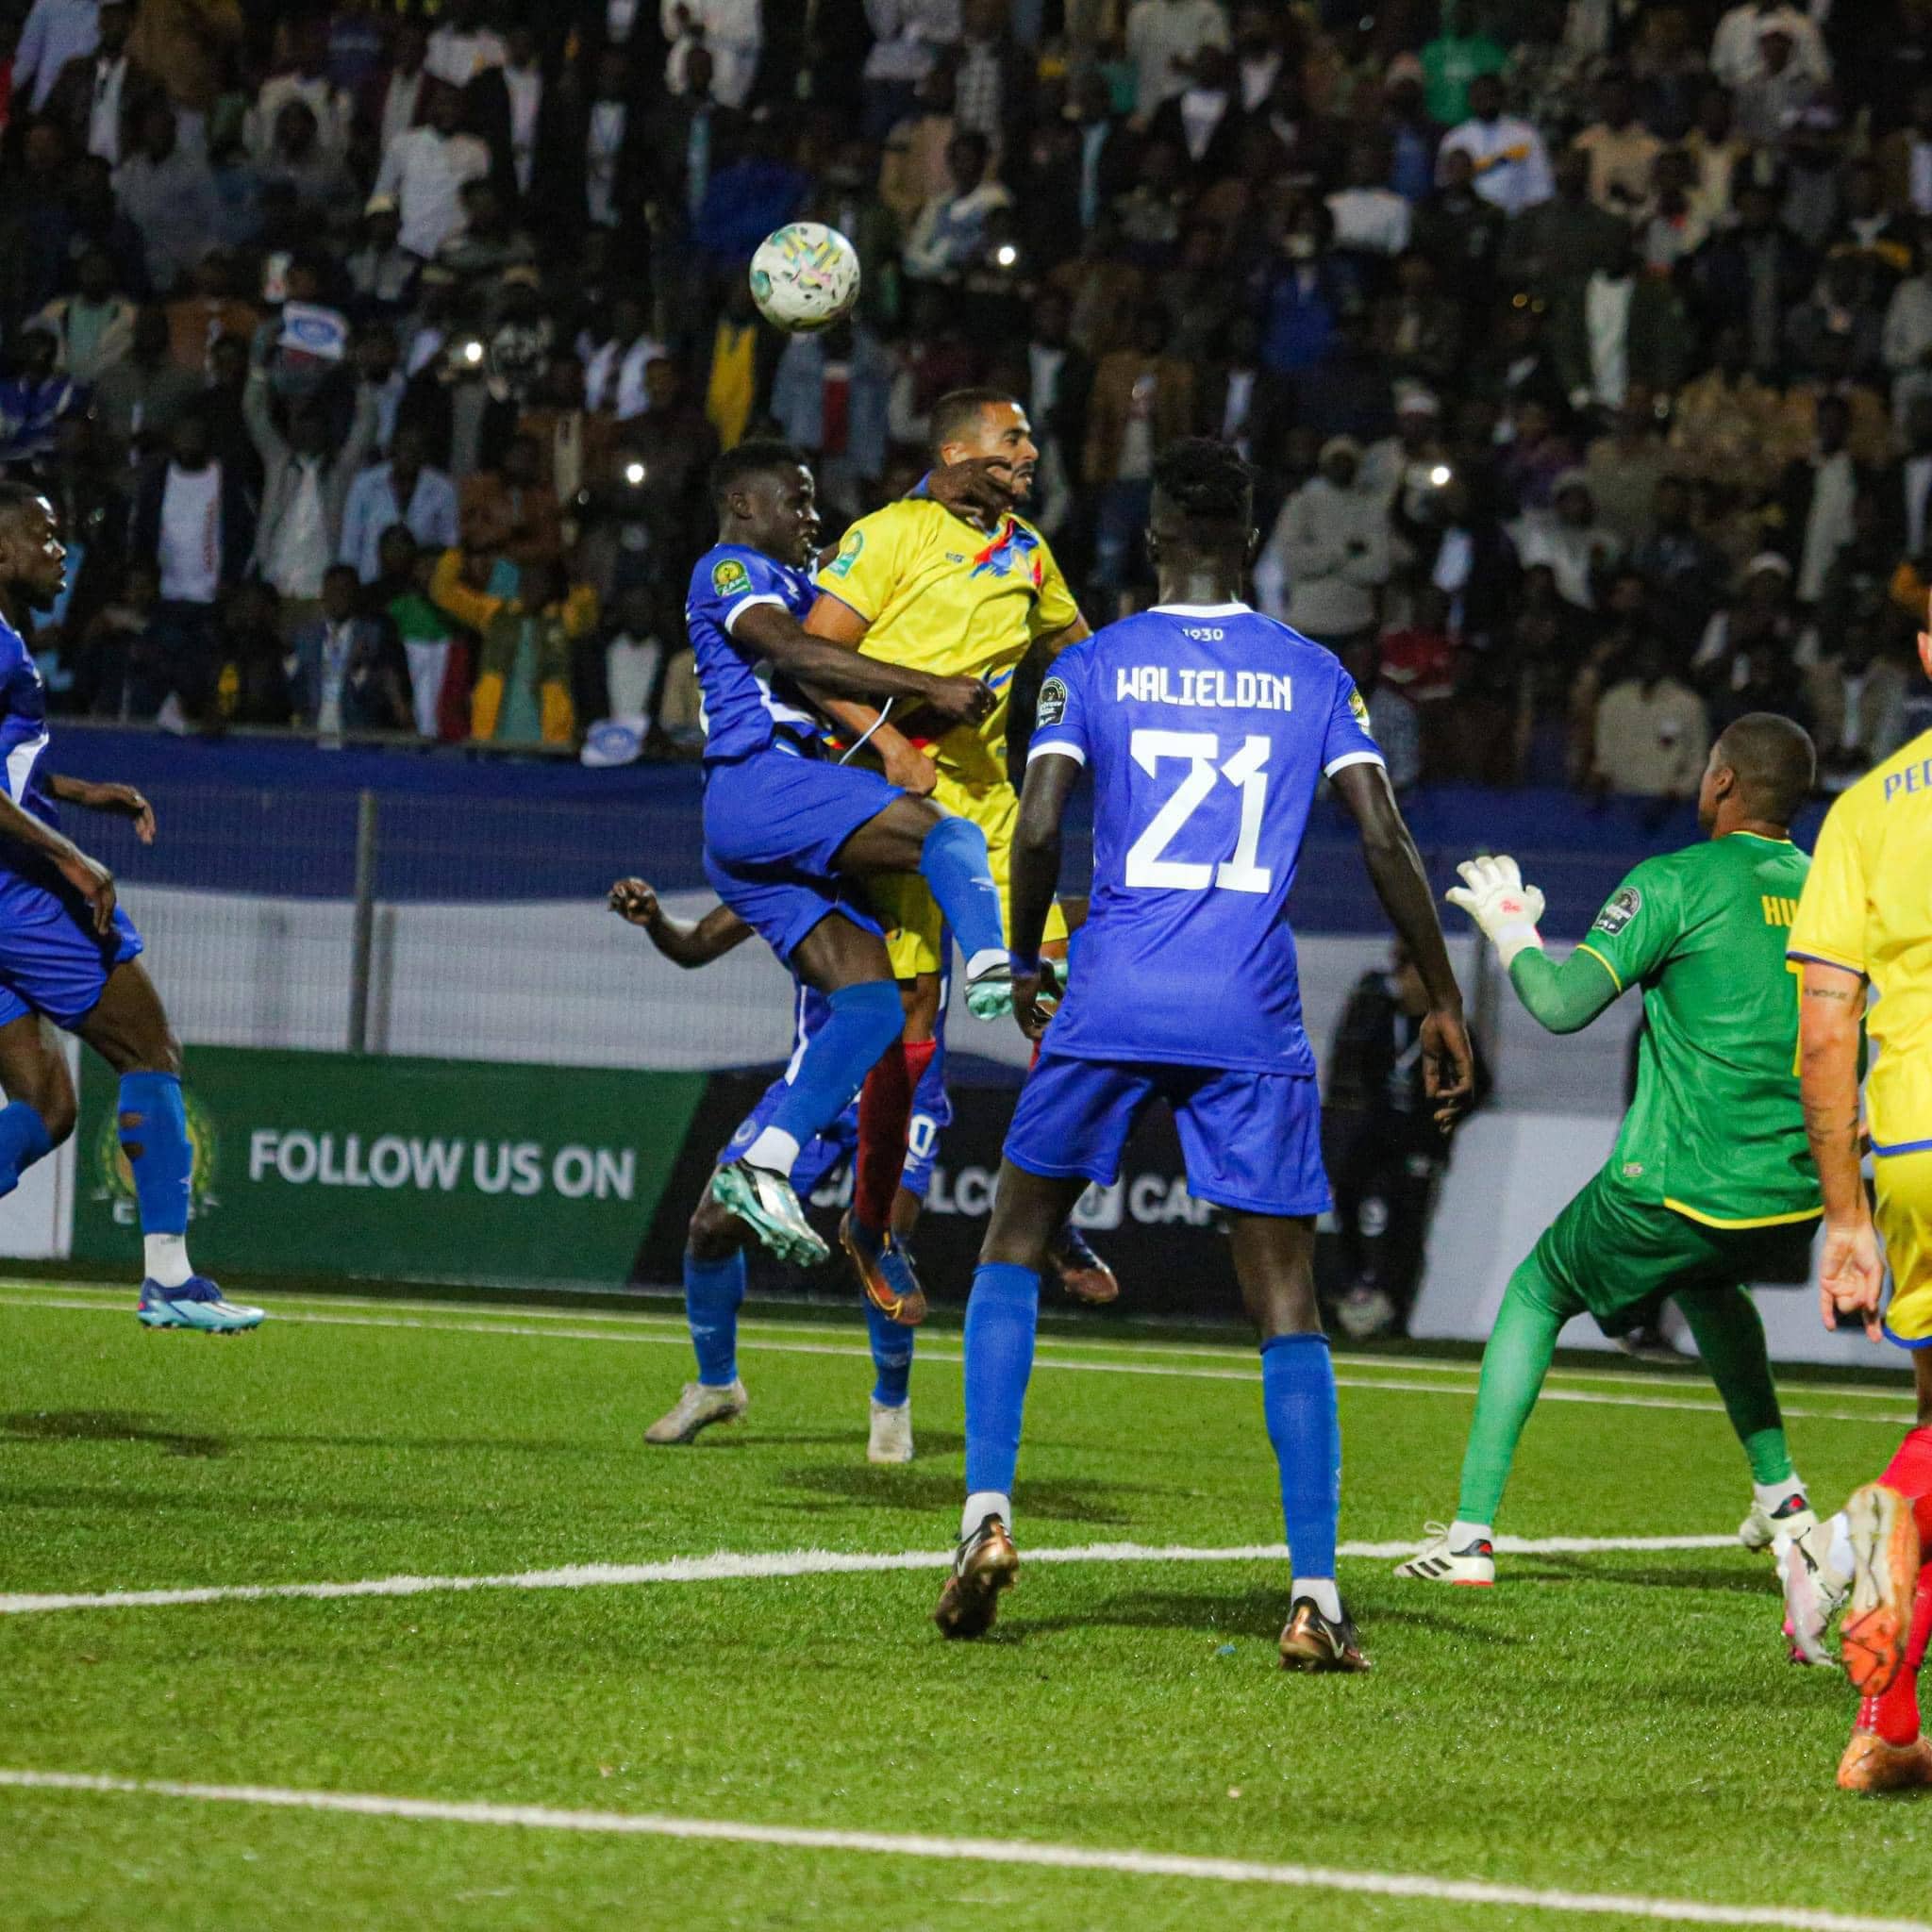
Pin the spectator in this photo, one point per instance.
(831, 396)
(685, 136)
(1143, 399)
(1418, 329)
(207, 310)
(1750, 276)
(1302, 298)
(34, 398)
(1578, 548)
(461, 48)
(1239, 401)
(397, 95)
(309, 80)
(100, 95)
(994, 80)
(913, 170)
(1763, 617)
(253, 679)
(1718, 153)
(512, 512)
(1329, 552)
(55, 33)
(1163, 37)
(1204, 120)
(193, 515)
(1619, 331)
(1738, 54)
(1904, 489)
(424, 171)
(142, 395)
(1905, 159)
(188, 46)
(1369, 217)
(1624, 467)
(170, 196)
(950, 234)
(1857, 696)
(345, 676)
(314, 172)
(728, 31)
(634, 659)
(307, 477)
(1652, 738)
(404, 491)
(1773, 100)
(755, 192)
(1460, 234)
(381, 272)
(1511, 165)
(1683, 571)
(116, 637)
(1382, 1146)
(1621, 150)
(1411, 137)
(92, 329)
(1816, 499)
(1557, 245)
(400, 593)
(527, 644)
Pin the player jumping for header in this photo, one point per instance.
(789, 835)
(972, 588)
(714, 1272)
(1711, 1184)
(1866, 916)
(70, 955)
(1206, 730)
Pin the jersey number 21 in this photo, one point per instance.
(1246, 770)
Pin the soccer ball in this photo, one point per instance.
(804, 278)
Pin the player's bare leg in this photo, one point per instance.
(128, 1028)
(848, 964)
(1001, 1316)
(1275, 1263)
(713, 1289)
(33, 1076)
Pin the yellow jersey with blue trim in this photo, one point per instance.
(943, 597)
(1867, 907)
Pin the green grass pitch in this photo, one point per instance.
(1610, 1723)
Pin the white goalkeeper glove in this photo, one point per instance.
(1493, 894)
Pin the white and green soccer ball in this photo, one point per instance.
(804, 278)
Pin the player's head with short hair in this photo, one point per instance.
(763, 492)
(33, 559)
(1201, 530)
(985, 425)
(1762, 769)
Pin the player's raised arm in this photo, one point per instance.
(1403, 886)
(683, 942)
(807, 659)
(1559, 998)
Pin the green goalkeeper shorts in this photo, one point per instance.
(1617, 1258)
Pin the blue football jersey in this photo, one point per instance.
(744, 707)
(22, 734)
(1206, 730)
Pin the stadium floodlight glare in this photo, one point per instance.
(633, 473)
(1440, 475)
(1006, 255)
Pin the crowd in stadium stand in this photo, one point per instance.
(375, 359)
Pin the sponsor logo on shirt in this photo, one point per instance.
(1215, 690)
(848, 553)
(1053, 702)
(729, 577)
(1618, 912)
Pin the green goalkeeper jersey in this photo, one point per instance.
(1716, 1130)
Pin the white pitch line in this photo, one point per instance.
(1166, 1371)
(730, 1565)
(977, 1851)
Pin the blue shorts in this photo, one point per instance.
(1252, 1142)
(774, 823)
(52, 961)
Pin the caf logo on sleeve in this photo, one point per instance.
(1618, 912)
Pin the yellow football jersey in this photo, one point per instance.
(942, 597)
(1867, 906)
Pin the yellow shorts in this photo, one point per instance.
(1905, 1219)
(904, 902)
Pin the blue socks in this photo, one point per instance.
(158, 1150)
(1298, 1395)
(1001, 1318)
(892, 1357)
(864, 1020)
(712, 1292)
(24, 1140)
(953, 862)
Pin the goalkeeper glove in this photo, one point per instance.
(1493, 894)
